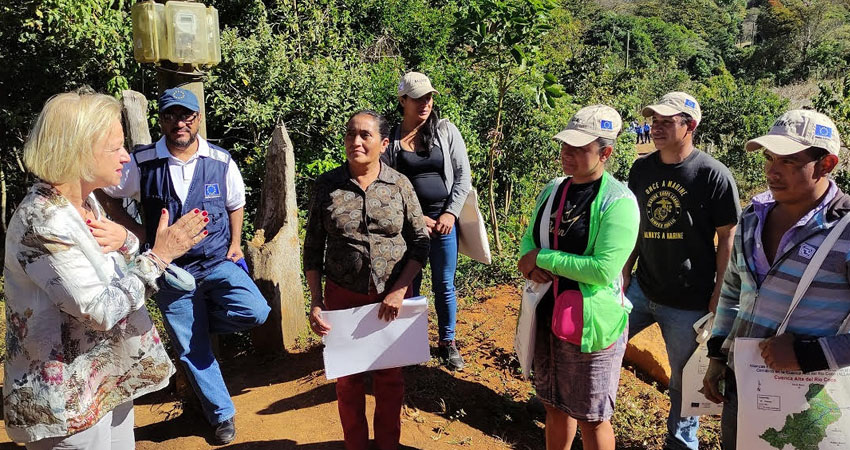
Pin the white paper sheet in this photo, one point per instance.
(359, 341)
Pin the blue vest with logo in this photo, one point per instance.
(207, 192)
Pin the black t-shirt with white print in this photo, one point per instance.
(681, 206)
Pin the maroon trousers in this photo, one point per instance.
(387, 384)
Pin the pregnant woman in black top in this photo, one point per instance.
(432, 154)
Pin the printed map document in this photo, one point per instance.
(789, 410)
(359, 341)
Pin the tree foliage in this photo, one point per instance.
(510, 74)
(797, 39)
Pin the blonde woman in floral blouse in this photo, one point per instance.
(80, 344)
(366, 237)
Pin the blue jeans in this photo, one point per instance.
(443, 260)
(225, 301)
(680, 340)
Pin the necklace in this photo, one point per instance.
(411, 139)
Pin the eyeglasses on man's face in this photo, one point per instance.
(185, 117)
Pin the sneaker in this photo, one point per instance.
(225, 432)
(450, 356)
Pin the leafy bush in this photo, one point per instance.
(733, 113)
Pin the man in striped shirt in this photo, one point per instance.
(776, 238)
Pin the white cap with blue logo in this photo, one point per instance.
(589, 123)
(673, 103)
(797, 130)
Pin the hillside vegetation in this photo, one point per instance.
(510, 73)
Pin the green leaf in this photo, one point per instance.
(519, 56)
(555, 91)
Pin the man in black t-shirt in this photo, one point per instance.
(686, 197)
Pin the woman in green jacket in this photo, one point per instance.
(582, 319)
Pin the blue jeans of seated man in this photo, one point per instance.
(224, 301)
(680, 340)
(443, 260)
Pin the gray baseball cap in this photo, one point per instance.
(589, 123)
(797, 130)
(674, 103)
(415, 85)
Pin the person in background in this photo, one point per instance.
(366, 237)
(686, 198)
(431, 153)
(633, 128)
(183, 172)
(647, 135)
(80, 345)
(779, 234)
(577, 356)
(639, 131)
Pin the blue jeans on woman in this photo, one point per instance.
(443, 259)
(680, 339)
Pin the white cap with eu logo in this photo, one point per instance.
(415, 85)
(797, 130)
(674, 103)
(589, 123)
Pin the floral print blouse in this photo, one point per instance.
(79, 341)
(358, 239)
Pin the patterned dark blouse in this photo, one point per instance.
(362, 239)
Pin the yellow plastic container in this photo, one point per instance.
(186, 26)
(148, 31)
(214, 39)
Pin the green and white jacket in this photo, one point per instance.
(612, 233)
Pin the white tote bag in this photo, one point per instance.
(804, 410)
(527, 324)
(694, 402)
(531, 296)
(472, 236)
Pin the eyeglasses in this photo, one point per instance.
(180, 117)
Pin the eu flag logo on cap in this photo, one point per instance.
(823, 131)
(212, 191)
(690, 103)
(606, 125)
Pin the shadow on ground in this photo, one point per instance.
(427, 388)
(287, 444)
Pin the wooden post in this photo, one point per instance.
(273, 254)
(135, 114)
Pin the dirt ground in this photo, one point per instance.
(285, 402)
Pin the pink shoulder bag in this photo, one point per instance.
(568, 314)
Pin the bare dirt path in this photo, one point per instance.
(286, 402)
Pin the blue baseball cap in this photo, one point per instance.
(178, 96)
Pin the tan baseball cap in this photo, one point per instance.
(674, 103)
(415, 85)
(589, 123)
(797, 130)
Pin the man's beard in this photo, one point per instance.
(182, 143)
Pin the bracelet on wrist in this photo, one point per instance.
(156, 259)
(125, 247)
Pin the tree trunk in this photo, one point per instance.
(274, 253)
(3, 212)
(491, 167)
(3, 200)
(135, 114)
(508, 195)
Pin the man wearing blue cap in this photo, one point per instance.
(182, 172)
